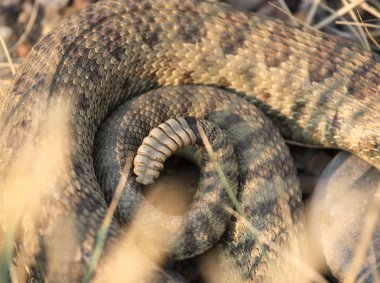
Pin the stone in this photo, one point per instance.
(343, 209)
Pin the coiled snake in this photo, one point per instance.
(315, 89)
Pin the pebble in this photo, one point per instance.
(6, 32)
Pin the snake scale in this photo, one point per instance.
(314, 88)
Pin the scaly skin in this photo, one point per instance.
(269, 192)
(314, 88)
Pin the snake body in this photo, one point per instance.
(314, 88)
(266, 187)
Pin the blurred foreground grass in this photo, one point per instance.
(24, 202)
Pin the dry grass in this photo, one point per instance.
(10, 62)
(26, 187)
(29, 26)
(107, 220)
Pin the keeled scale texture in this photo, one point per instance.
(268, 191)
(206, 219)
(314, 88)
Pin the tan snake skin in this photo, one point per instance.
(315, 89)
(268, 189)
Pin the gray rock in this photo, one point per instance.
(339, 213)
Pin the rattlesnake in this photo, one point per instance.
(315, 89)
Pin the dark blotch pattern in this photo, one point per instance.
(364, 82)
(231, 42)
(143, 24)
(274, 59)
(234, 35)
(186, 78)
(277, 48)
(298, 108)
(191, 34)
(78, 169)
(84, 103)
(324, 62)
(224, 82)
(267, 208)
